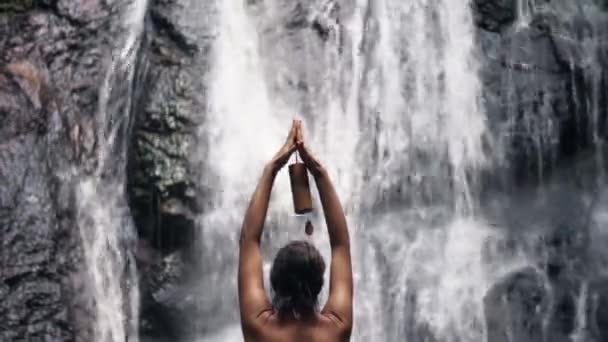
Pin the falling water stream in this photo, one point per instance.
(469, 160)
(102, 212)
(525, 11)
(390, 95)
(391, 105)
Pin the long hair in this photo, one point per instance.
(296, 279)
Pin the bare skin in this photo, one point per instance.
(258, 320)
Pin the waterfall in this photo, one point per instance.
(525, 12)
(424, 132)
(465, 139)
(390, 99)
(102, 212)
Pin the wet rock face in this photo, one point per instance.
(524, 307)
(494, 15)
(164, 177)
(164, 186)
(515, 308)
(544, 84)
(32, 292)
(562, 294)
(44, 130)
(598, 304)
(543, 76)
(161, 281)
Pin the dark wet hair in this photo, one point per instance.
(296, 279)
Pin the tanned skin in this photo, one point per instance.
(258, 320)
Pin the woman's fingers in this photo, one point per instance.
(304, 153)
(282, 156)
(311, 162)
(292, 132)
(299, 136)
(290, 145)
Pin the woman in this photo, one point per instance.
(297, 272)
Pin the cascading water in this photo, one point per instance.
(390, 95)
(102, 212)
(392, 107)
(426, 131)
(465, 138)
(525, 10)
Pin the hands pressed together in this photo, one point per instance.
(295, 142)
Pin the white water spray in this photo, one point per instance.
(396, 118)
(525, 12)
(102, 213)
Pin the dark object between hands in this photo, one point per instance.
(309, 229)
(300, 188)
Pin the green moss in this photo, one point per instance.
(16, 6)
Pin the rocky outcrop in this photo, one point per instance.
(544, 75)
(160, 281)
(69, 43)
(527, 306)
(515, 308)
(598, 309)
(562, 293)
(544, 84)
(164, 178)
(45, 131)
(494, 15)
(163, 183)
(33, 286)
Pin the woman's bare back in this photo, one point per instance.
(320, 328)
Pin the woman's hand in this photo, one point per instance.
(281, 158)
(312, 164)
